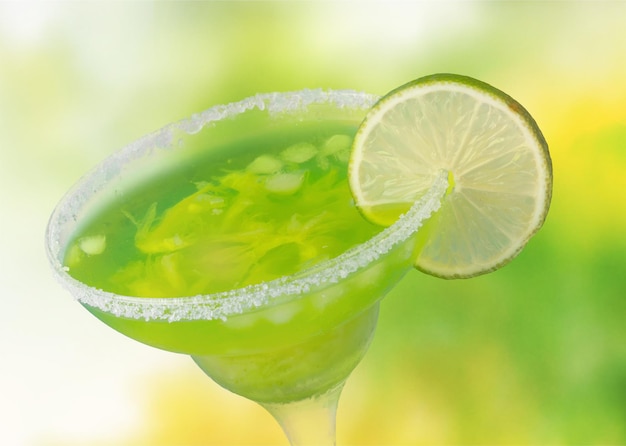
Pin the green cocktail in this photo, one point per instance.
(233, 237)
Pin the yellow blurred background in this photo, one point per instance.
(532, 354)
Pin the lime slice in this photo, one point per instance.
(499, 170)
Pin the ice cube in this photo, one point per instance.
(93, 244)
(265, 164)
(299, 153)
(285, 183)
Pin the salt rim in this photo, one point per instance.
(232, 302)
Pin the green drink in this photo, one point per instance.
(233, 237)
(241, 215)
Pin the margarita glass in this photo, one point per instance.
(286, 337)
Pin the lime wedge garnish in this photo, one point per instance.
(499, 170)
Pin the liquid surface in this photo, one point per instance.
(251, 212)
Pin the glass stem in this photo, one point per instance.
(308, 422)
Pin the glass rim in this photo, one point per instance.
(251, 297)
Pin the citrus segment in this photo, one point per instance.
(500, 173)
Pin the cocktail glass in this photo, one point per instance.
(289, 343)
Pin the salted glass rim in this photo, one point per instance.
(237, 301)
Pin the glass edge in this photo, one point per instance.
(234, 302)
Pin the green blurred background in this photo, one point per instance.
(532, 354)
